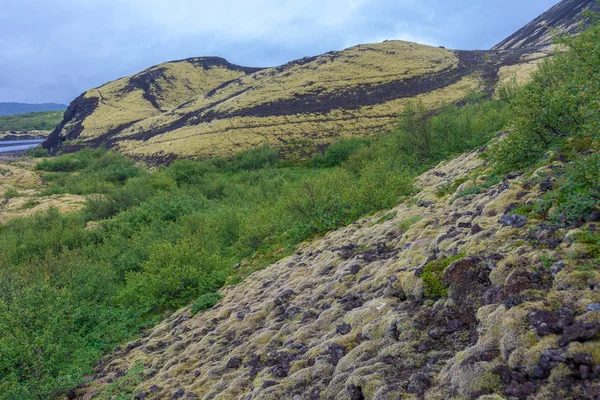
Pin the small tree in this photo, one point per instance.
(415, 128)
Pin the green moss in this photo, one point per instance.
(405, 224)
(432, 276)
(388, 216)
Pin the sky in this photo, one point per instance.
(53, 50)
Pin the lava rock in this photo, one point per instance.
(343, 329)
(543, 322)
(354, 269)
(475, 229)
(268, 384)
(593, 307)
(556, 268)
(512, 301)
(155, 388)
(547, 185)
(551, 358)
(418, 383)
(513, 220)
(283, 297)
(234, 363)
(281, 370)
(425, 203)
(335, 352)
(240, 315)
(566, 318)
(291, 312)
(594, 216)
(579, 331)
(355, 392)
(454, 326)
(179, 393)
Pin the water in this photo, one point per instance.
(7, 146)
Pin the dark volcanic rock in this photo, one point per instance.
(514, 220)
(580, 331)
(564, 15)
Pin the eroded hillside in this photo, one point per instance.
(185, 110)
(450, 295)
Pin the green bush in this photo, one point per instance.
(561, 101)
(578, 192)
(205, 302)
(173, 275)
(338, 152)
(260, 157)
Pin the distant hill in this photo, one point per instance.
(24, 108)
(35, 121)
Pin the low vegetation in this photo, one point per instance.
(38, 121)
(74, 286)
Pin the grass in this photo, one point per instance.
(41, 121)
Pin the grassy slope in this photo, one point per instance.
(149, 242)
(41, 121)
(296, 108)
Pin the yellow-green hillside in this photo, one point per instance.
(203, 107)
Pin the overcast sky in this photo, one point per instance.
(52, 50)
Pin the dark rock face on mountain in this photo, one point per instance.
(566, 16)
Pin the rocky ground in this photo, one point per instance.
(451, 295)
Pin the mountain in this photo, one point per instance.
(205, 107)
(24, 108)
(565, 16)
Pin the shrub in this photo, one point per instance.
(174, 274)
(205, 302)
(338, 152)
(578, 192)
(560, 101)
(260, 157)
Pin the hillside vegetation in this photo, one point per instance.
(38, 121)
(148, 242)
(482, 286)
(200, 108)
